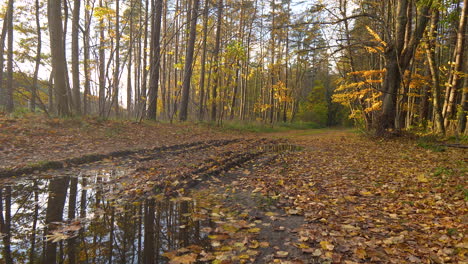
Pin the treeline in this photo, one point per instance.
(391, 65)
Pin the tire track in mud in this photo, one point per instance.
(77, 161)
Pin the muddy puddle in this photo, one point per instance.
(79, 219)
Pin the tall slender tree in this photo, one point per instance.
(216, 73)
(38, 58)
(9, 97)
(76, 56)
(188, 68)
(156, 60)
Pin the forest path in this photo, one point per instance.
(370, 201)
(310, 196)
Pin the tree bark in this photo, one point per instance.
(398, 56)
(76, 57)
(155, 62)
(102, 66)
(9, 97)
(116, 78)
(58, 56)
(188, 69)
(86, 43)
(216, 61)
(430, 53)
(38, 59)
(203, 61)
(454, 82)
(2, 60)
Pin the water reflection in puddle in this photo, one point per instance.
(73, 220)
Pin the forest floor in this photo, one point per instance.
(304, 196)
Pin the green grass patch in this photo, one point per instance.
(256, 127)
(430, 142)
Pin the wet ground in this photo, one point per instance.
(137, 208)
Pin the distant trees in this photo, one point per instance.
(392, 64)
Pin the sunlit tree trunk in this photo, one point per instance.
(398, 57)
(454, 82)
(430, 53)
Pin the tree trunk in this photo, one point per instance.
(102, 66)
(129, 63)
(155, 62)
(58, 56)
(398, 56)
(9, 97)
(86, 43)
(144, 81)
(76, 57)
(216, 61)
(454, 82)
(116, 78)
(188, 69)
(430, 53)
(462, 115)
(203, 61)
(38, 59)
(3, 92)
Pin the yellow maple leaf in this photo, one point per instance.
(326, 245)
(422, 178)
